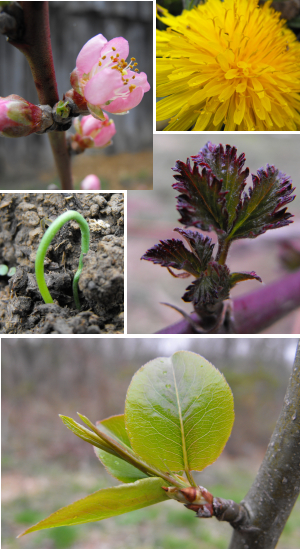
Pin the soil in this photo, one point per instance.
(101, 283)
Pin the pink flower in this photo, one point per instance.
(105, 79)
(90, 183)
(19, 118)
(92, 132)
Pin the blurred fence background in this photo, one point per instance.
(72, 24)
(45, 466)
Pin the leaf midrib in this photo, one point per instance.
(184, 451)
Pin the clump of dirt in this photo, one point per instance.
(101, 283)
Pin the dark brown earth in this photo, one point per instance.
(101, 284)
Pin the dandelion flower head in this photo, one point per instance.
(228, 65)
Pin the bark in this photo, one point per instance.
(36, 46)
(256, 311)
(274, 492)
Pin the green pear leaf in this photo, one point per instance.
(106, 503)
(179, 412)
(115, 427)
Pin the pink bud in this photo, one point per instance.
(105, 79)
(90, 183)
(92, 132)
(18, 117)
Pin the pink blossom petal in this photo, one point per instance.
(90, 54)
(90, 124)
(139, 80)
(104, 136)
(121, 45)
(100, 88)
(90, 183)
(124, 104)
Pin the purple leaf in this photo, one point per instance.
(212, 286)
(227, 167)
(235, 278)
(173, 253)
(263, 208)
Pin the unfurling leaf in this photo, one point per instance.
(235, 278)
(179, 412)
(106, 503)
(211, 287)
(116, 466)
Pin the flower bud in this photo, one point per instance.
(105, 80)
(90, 183)
(19, 118)
(91, 132)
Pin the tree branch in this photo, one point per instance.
(36, 46)
(255, 311)
(274, 492)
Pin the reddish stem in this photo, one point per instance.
(36, 46)
(256, 311)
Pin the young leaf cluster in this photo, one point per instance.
(178, 418)
(213, 198)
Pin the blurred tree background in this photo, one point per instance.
(72, 24)
(152, 216)
(45, 466)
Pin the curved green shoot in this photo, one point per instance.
(44, 245)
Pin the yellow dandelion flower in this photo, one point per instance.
(228, 65)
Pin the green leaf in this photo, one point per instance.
(179, 412)
(87, 435)
(3, 270)
(115, 427)
(106, 503)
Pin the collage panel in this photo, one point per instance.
(62, 263)
(228, 65)
(227, 218)
(177, 431)
(87, 88)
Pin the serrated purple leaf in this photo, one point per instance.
(263, 207)
(210, 287)
(202, 201)
(173, 253)
(227, 167)
(235, 278)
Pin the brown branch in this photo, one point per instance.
(274, 492)
(36, 46)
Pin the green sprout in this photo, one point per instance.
(44, 245)
(5, 271)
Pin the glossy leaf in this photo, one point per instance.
(106, 503)
(179, 412)
(117, 467)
